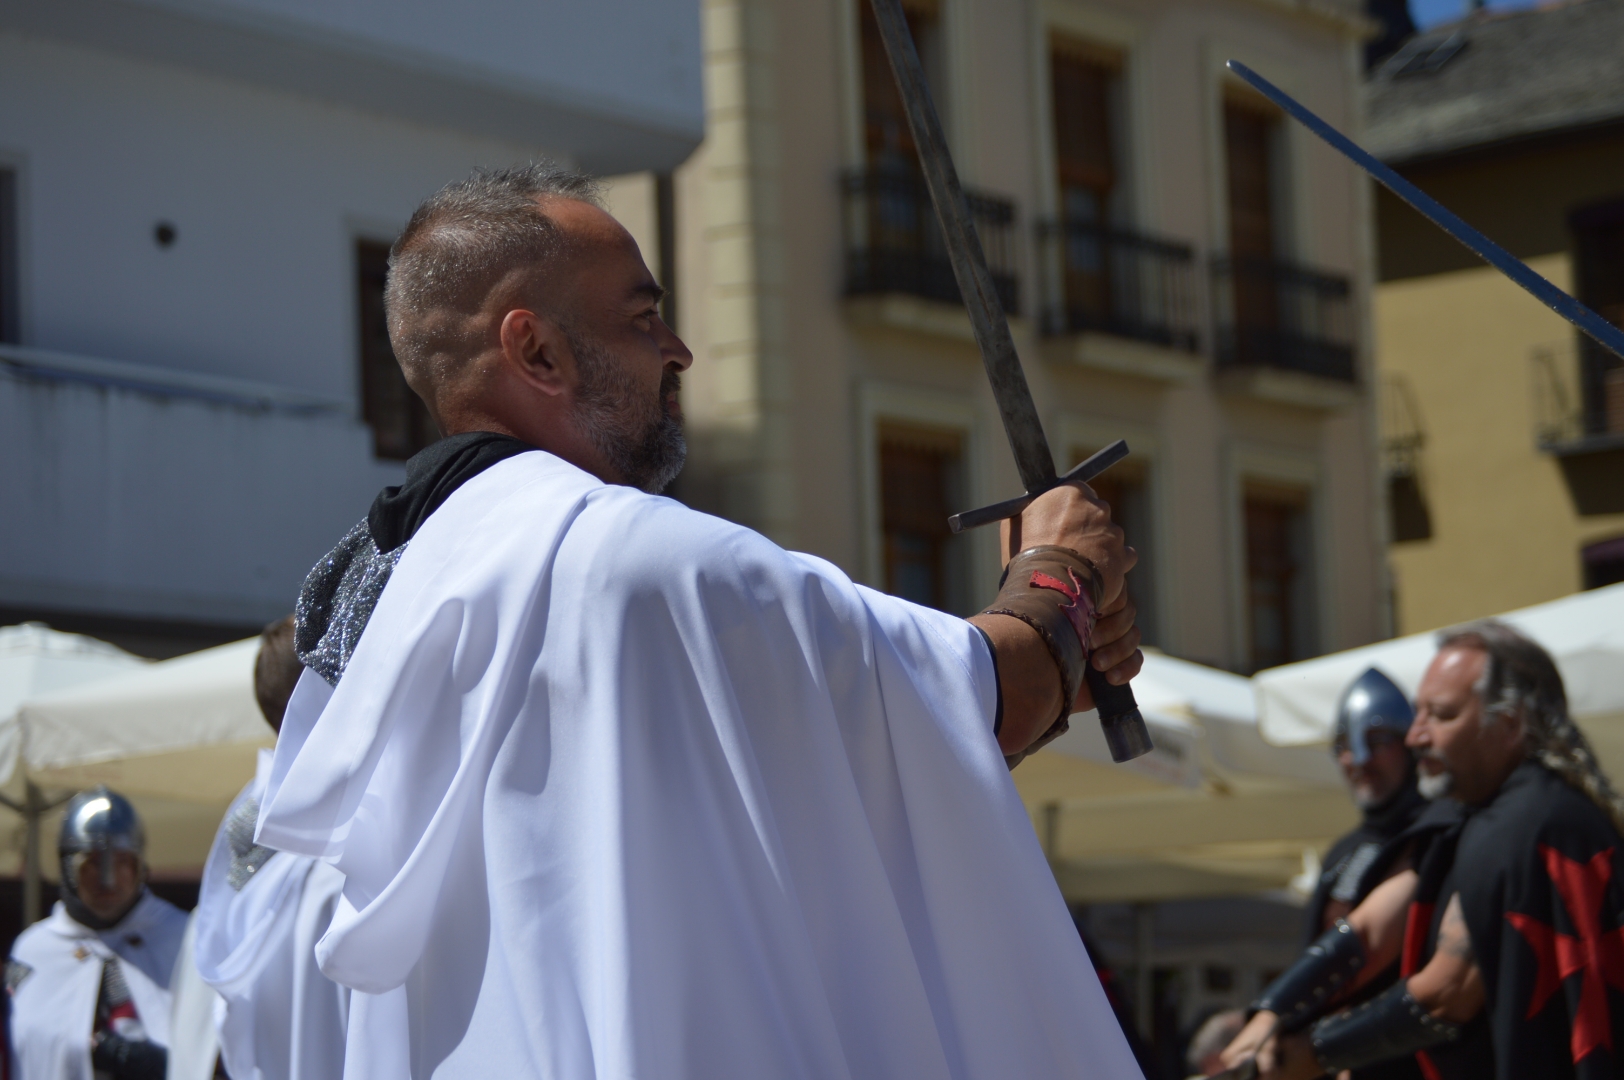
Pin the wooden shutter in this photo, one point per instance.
(916, 467)
(400, 422)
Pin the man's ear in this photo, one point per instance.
(537, 351)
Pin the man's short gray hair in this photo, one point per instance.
(1521, 680)
(458, 245)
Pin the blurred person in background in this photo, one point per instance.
(89, 984)
(1367, 742)
(1507, 923)
(1205, 1055)
(259, 915)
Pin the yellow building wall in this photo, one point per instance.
(1505, 533)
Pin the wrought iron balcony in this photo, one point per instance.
(1579, 420)
(893, 244)
(1115, 281)
(1272, 314)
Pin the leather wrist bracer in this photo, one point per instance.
(1056, 592)
(1309, 986)
(1390, 1025)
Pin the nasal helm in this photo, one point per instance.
(1372, 701)
(98, 823)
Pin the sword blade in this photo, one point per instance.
(1605, 333)
(1009, 389)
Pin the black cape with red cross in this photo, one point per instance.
(1539, 874)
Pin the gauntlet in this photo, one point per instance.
(1056, 592)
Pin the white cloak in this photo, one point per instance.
(623, 790)
(55, 976)
(279, 1017)
(194, 1045)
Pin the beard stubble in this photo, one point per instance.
(635, 433)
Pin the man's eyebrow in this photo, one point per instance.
(655, 293)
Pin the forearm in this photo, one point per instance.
(1028, 681)
(1379, 921)
(1450, 987)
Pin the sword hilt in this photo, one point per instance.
(1120, 718)
(1081, 474)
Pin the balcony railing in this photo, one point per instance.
(1118, 282)
(1271, 314)
(1579, 421)
(1578, 396)
(893, 244)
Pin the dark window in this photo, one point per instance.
(919, 471)
(1270, 311)
(1598, 233)
(1604, 562)
(1279, 576)
(893, 241)
(1250, 138)
(665, 216)
(1127, 489)
(400, 422)
(1086, 87)
(10, 291)
(885, 124)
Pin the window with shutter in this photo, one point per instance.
(918, 474)
(1279, 576)
(400, 422)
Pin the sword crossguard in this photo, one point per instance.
(1120, 719)
(1082, 474)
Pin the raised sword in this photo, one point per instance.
(1120, 719)
(1605, 333)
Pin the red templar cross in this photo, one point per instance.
(1598, 953)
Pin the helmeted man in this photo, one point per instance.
(1508, 927)
(89, 984)
(622, 789)
(1367, 742)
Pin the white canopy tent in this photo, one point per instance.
(179, 737)
(1584, 633)
(34, 659)
(1214, 810)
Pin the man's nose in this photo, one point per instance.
(673, 350)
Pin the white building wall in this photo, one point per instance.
(267, 190)
(129, 492)
(155, 504)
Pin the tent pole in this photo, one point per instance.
(33, 809)
(1144, 930)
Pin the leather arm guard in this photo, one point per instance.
(1391, 1025)
(1305, 989)
(1056, 592)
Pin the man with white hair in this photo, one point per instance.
(1508, 925)
(621, 789)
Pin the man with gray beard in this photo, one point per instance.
(1508, 925)
(621, 789)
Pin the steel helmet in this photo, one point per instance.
(1372, 701)
(98, 822)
